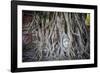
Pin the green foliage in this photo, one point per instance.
(88, 20)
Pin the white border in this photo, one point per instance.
(53, 63)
